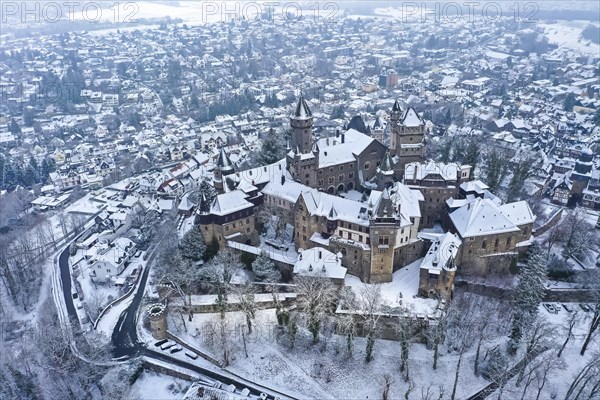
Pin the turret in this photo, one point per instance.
(223, 168)
(301, 123)
(385, 172)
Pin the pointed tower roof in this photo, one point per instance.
(302, 110)
(387, 165)
(378, 123)
(223, 161)
(385, 208)
(396, 106)
(333, 215)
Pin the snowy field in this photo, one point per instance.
(567, 35)
(402, 291)
(153, 386)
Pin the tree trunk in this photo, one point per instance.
(476, 362)
(456, 376)
(593, 327)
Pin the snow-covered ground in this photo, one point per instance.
(312, 372)
(153, 386)
(402, 291)
(567, 35)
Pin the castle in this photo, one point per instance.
(317, 190)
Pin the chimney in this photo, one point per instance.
(282, 179)
(343, 138)
(327, 141)
(337, 133)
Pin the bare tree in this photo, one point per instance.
(587, 381)
(386, 380)
(570, 324)
(245, 297)
(592, 282)
(463, 317)
(316, 296)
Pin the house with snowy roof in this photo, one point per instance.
(438, 268)
(492, 235)
(322, 263)
(437, 182)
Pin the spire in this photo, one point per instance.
(396, 107)
(388, 164)
(302, 110)
(223, 161)
(333, 215)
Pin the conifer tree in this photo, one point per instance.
(192, 245)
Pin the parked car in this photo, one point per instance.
(176, 349)
(567, 307)
(167, 346)
(161, 342)
(191, 355)
(550, 308)
(584, 307)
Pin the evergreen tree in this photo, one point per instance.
(569, 102)
(496, 170)
(211, 250)
(273, 148)
(265, 270)
(520, 174)
(528, 293)
(472, 153)
(13, 127)
(192, 245)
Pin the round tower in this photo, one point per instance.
(157, 313)
(301, 123)
(223, 168)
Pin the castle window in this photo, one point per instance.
(341, 167)
(351, 165)
(384, 240)
(350, 175)
(484, 244)
(331, 169)
(367, 165)
(497, 243)
(360, 238)
(508, 241)
(304, 237)
(320, 182)
(247, 220)
(320, 172)
(341, 178)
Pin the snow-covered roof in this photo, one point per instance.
(230, 202)
(333, 152)
(418, 171)
(518, 212)
(320, 262)
(411, 118)
(481, 217)
(441, 254)
(474, 186)
(319, 203)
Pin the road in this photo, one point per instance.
(65, 277)
(125, 339)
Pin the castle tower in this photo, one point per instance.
(303, 158)
(383, 227)
(377, 131)
(385, 172)
(410, 145)
(394, 125)
(582, 173)
(157, 313)
(223, 168)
